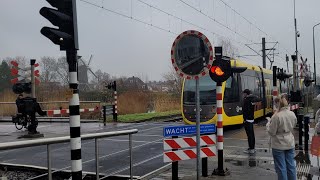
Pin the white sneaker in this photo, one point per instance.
(246, 151)
(249, 151)
(252, 151)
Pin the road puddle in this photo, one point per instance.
(250, 162)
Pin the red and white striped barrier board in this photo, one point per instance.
(186, 142)
(186, 154)
(66, 111)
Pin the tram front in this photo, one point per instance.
(207, 91)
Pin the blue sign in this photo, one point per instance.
(188, 130)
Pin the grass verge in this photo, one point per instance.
(128, 118)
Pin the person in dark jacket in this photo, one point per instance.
(19, 103)
(248, 118)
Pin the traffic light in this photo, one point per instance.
(282, 76)
(220, 70)
(19, 88)
(307, 81)
(112, 85)
(65, 18)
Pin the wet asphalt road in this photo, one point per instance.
(113, 151)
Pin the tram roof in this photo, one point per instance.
(240, 63)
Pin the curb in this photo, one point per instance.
(172, 118)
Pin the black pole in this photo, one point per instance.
(115, 101)
(204, 162)
(300, 119)
(74, 108)
(104, 114)
(175, 166)
(264, 64)
(306, 133)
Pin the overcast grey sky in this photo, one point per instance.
(127, 46)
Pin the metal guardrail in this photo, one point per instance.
(49, 102)
(56, 140)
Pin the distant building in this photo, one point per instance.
(135, 83)
(159, 86)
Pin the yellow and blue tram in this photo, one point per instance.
(255, 78)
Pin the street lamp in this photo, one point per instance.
(314, 56)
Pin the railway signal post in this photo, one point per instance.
(64, 16)
(192, 57)
(113, 85)
(220, 71)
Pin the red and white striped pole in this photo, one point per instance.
(115, 115)
(219, 127)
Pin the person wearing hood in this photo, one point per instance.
(248, 118)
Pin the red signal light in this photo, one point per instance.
(14, 63)
(217, 70)
(14, 72)
(36, 73)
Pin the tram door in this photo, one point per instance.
(232, 100)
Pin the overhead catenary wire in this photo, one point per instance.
(215, 20)
(253, 24)
(153, 25)
(131, 17)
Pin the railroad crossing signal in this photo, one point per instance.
(307, 81)
(64, 17)
(221, 69)
(282, 75)
(19, 88)
(21, 74)
(112, 86)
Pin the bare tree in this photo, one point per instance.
(48, 71)
(102, 79)
(228, 48)
(21, 60)
(174, 80)
(62, 70)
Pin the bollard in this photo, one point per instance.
(175, 175)
(60, 111)
(204, 162)
(306, 133)
(114, 114)
(300, 120)
(104, 115)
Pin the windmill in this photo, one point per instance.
(83, 72)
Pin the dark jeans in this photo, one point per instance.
(34, 124)
(250, 134)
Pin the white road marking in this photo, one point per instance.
(135, 164)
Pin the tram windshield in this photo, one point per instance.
(207, 90)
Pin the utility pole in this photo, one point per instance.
(295, 79)
(314, 56)
(264, 52)
(287, 60)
